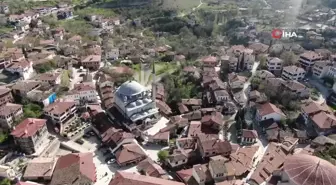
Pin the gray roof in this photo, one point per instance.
(130, 88)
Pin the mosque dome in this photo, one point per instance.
(146, 100)
(130, 88)
(305, 169)
(131, 105)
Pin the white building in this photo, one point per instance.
(274, 64)
(324, 68)
(268, 111)
(293, 73)
(61, 112)
(83, 92)
(309, 58)
(10, 113)
(134, 101)
(248, 58)
(23, 68)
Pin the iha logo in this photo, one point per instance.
(279, 33)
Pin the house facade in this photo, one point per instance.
(293, 73)
(84, 92)
(5, 96)
(9, 114)
(309, 58)
(274, 64)
(269, 111)
(91, 62)
(31, 135)
(61, 112)
(22, 68)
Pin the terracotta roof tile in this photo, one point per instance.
(9, 108)
(59, 108)
(324, 120)
(39, 167)
(129, 152)
(269, 108)
(74, 167)
(249, 133)
(28, 127)
(126, 178)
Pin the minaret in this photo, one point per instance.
(153, 82)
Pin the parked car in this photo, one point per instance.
(111, 161)
(80, 141)
(108, 158)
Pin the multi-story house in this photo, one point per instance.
(9, 114)
(82, 93)
(236, 81)
(210, 146)
(247, 59)
(61, 112)
(231, 60)
(293, 73)
(324, 68)
(5, 96)
(218, 169)
(274, 64)
(319, 116)
(199, 173)
(92, 62)
(295, 88)
(51, 78)
(308, 59)
(31, 135)
(22, 68)
(23, 87)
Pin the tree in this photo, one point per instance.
(162, 155)
(289, 58)
(32, 110)
(3, 137)
(262, 59)
(5, 182)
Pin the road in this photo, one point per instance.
(247, 84)
(324, 91)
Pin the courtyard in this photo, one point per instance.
(106, 171)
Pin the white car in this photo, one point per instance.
(111, 161)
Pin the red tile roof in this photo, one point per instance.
(9, 109)
(324, 120)
(28, 127)
(126, 178)
(74, 167)
(129, 152)
(250, 133)
(59, 107)
(269, 108)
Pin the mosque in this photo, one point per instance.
(135, 102)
